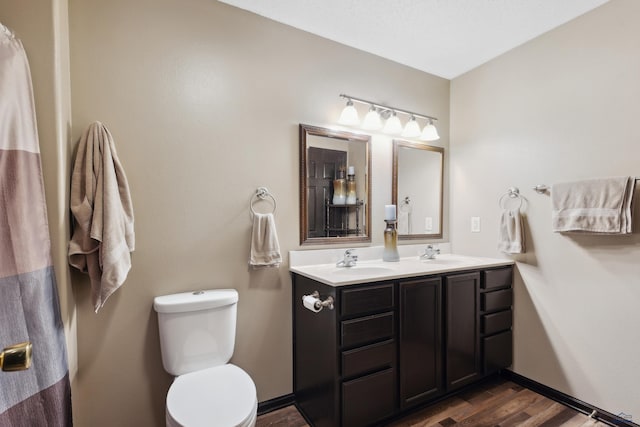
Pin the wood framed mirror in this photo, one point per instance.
(417, 188)
(335, 182)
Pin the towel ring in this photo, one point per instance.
(261, 194)
(513, 193)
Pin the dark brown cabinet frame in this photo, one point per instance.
(394, 345)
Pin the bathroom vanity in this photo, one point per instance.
(399, 334)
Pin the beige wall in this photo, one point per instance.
(562, 107)
(204, 102)
(42, 27)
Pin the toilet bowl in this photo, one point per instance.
(197, 337)
(222, 396)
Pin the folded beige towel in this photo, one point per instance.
(511, 232)
(593, 206)
(265, 249)
(103, 235)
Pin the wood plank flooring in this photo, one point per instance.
(499, 403)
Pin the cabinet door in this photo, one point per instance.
(462, 353)
(420, 341)
(369, 399)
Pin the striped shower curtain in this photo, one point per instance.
(29, 308)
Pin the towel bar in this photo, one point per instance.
(513, 193)
(261, 194)
(541, 188)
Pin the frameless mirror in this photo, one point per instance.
(335, 178)
(417, 189)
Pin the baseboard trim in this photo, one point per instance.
(551, 393)
(276, 403)
(570, 401)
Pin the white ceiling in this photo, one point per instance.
(442, 37)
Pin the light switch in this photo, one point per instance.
(475, 224)
(428, 223)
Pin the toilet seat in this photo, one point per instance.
(222, 396)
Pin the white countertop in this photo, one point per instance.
(377, 270)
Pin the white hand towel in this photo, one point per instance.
(511, 233)
(593, 206)
(265, 249)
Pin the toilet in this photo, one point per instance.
(197, 336)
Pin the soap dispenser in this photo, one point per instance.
(340, 189)
(351, 186)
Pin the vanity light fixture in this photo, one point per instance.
(393, 125)
(430, 133)
(372, 119)
(349, 115)
(412, 128)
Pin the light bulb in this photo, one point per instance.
(430, 133)
(411, 129)
(372, 120)
(349, 115)
(393, 124)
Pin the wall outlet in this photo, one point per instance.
(428, 223)
(475, 224)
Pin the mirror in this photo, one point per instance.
(335, 178)
(417, 189)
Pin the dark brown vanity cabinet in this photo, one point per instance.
(496, 315)
(345, 369)
(462, 348)
(420, 340)
(392, 345)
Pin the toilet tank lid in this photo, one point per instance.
(195, 300)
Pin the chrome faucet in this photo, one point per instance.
(430, 252)
(349, 259)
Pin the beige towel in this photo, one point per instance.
(103, 235)
(593, 206)
(403, 222)
(511, 233)
(265, 249)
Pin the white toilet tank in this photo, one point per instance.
(197, 329)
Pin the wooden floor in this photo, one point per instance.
(497, 403)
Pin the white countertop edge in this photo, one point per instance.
(365, 253)
(407, 267)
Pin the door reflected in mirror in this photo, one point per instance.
(417, 189)
(334, 186)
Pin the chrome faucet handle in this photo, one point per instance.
(349, 259)
(430, 252)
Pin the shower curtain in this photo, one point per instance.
(29, 308)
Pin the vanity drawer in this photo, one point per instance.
(496, 300)
(499, 278)
(496, 322)
(366, 329)
(369, 358)
(369, 399)
(368, 299)
(498, 350)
